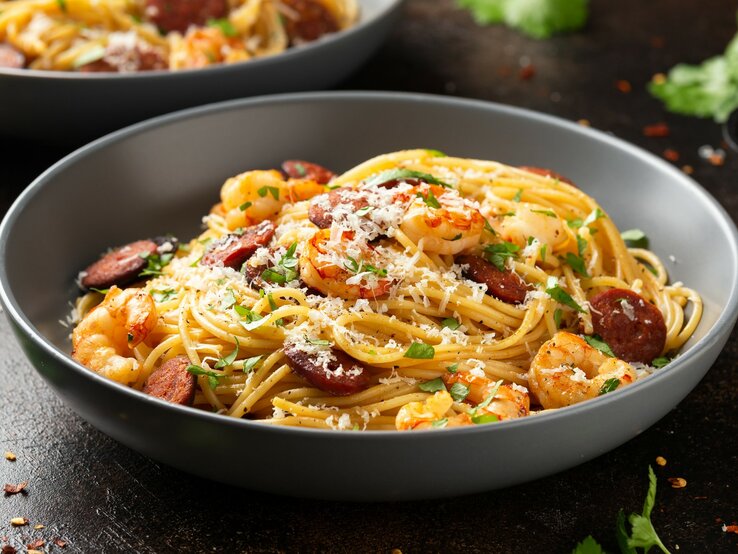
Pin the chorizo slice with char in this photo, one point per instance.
(323, 205)
(299, 169)
(546, 173)
(11, 57)
(119, 267)
(633, 327)
(504, 285)
(178, 15)
(234, 249)
(172, 382)
(331, 370)
(307, 20)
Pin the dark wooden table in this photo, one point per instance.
(99, 496)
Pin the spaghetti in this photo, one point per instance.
(141, 35)
(413, 291)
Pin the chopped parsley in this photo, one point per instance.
(250, 363)
(229, 359)
(560, 295)
(253, 320)
(547, 213)
(635, 238)
(273, 306)
(542, 250)
(660, 362)
(581, 245)
(577, 264)
(213, 376)
(557, 317)
(318, 342)
(488, 228)
(358, 266)
(518, 195)
(435, 153)
(401, 175)
(484, 418)
(225, 26)
(497, 254)
(458, 391)
(434, 385)
(284, 271)
(457, 237)
(420, 351)
(363, 211)
(440, 423)
(609, 386)
(106, 291)
(163, 295)
(593, 216)
(245, 206)
(450, 323)
(430, 200)
(155, 263)
(228, 300)
(453, 368)
(596, 341)
(266, 189)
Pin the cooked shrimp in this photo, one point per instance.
(567, 371)
(206, 46)
(446, 222)
(422, 415)
(104, 339)
(342, 267)
(539, 223)
(509, 402)
(254, 196)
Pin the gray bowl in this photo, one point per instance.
(68, 107)
(162, 175)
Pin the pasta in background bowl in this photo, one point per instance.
(628, 184)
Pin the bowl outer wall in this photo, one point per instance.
(178, 155)
(57, 106)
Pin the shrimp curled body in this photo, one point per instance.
(567, 371)
(104, 339)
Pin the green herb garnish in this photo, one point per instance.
(420, 351)
(609, 386)
(498, 253)
(596, 342)
(155, 263)
(266, 189)
(401, 175)
(212, 376)
(560, 295)
(635, 238)
(228, 360)
(433, 385)
(458, 392)
(163, 295)
(450, 323)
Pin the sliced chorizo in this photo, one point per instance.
(178, 15)
(504, 285)
(633, 327)
(546, 173)
(331, 370)
(234, 249)
(11, 57)
(307, 20)
(119, 267)
(322, 206)
(126, 59)
(172, 382)
(299, 169)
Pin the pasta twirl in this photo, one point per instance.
(413, 291)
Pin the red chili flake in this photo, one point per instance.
(730, 529)
(623, 86)
(527, 72)
(60, 543)
(7, 549)
(671, 155)
(36, 545)
(656, 130)
(716, 158)
(15, 489)
(657, 42)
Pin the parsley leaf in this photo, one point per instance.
(228, 300)
(535, 18)
(253, 320)
(643, 534)
(488, 228)
(547, 213)
(458, 391)
(430, 200)
(155, 263)
(609, 386)
(358, 266)
(163, 295)
(420, 351)
(588, 546)
(432, 386)
(363, 211)
(212, 376)
(318, 342)
(225, 26)
(557, 317)
(518, 195)
(284, 271)
(453, 368)
(229, 359)
(498, 253)
(266, 189)
(403, 174)
(560, 295)
(484, 418)
(435, 153)
(440, 423)
(577, 264)
(250, 363)
(635, 238)
(245, 206)
(706, 90)
(450, 323)
(660, 362)
(596, 342)
(106, 291)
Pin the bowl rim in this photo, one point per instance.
(294, 53)
(720, 328)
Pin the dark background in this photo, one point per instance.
(99, 496)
